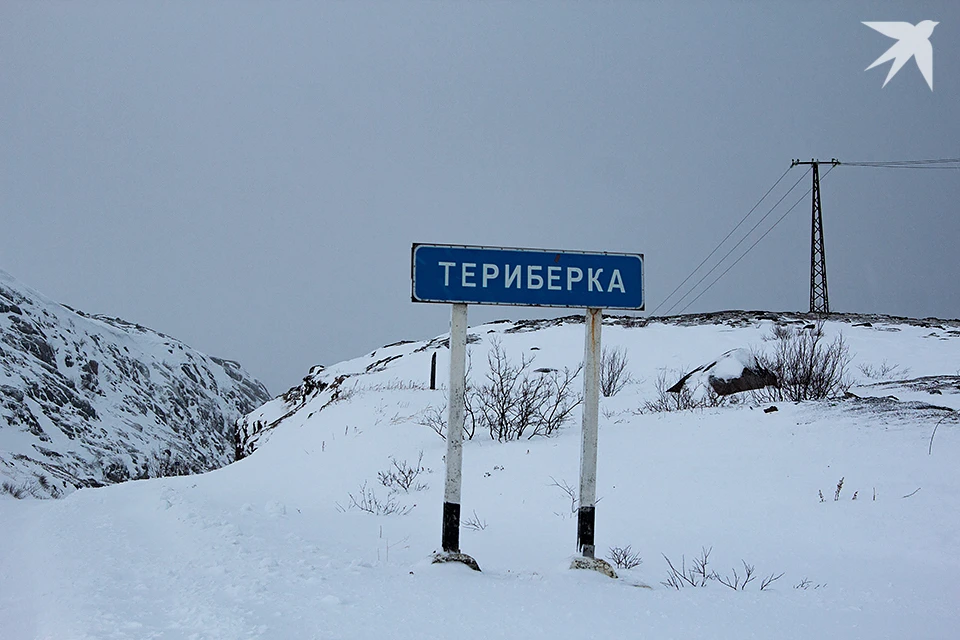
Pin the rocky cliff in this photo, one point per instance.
(91, 400)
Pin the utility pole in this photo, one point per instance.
(819, 299)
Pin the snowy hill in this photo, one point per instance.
(91, 400)
(278, 545)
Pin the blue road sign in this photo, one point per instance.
(526, 277)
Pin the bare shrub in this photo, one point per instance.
(699, 574)
(883, 371)
(435, 418)
(556, 402)
(344, 394)
(806, 365)
(807, 583)
(396, 384)
(688, 397)
(778, 332)
(696, 576)
(736, 581)
(474, 523)
(571, 492)
(18, 491)
(402, 476)
(513, 402)
(367, 501)
(48, 487)
(613, 371)
(165, 464)
(770, 579)
(39, 486)
(625, 557)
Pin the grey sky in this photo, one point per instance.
(249, 176)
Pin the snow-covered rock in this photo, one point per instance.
(91, 400)
(735, 371)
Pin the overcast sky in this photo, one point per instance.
(249, 176)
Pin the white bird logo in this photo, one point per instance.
(912, 42)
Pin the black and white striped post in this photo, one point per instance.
(586, 514)
(451, 491)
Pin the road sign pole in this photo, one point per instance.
(458, 365)
(586, 515)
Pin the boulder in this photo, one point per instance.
(735, 371)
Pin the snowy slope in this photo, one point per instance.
(269, 548)
(90, 400)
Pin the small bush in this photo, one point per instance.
(164, 464)
(624, 557)
(513, 402)
(806, 366)
(696, 576)
(687, 398)
(570, 492)
(436, 419)
(367, 501)
(736, 581)
(401, 476)
(838, 489)
(883, 371)
(18, 491)
(613, 371)
(474, 523)
(699, 574)
(48, 487)
(39, 487)
(806, 583)
(396, 384)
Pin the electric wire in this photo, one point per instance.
(902, 166)
(720, 244)
(757, 241)
(937, 163)
(950, 164)
(734, 247)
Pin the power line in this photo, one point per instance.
(904, 166)
(720, 244)
(881, 162)
(936, 163)
(757, 241)
(734, 247)
(950, 164)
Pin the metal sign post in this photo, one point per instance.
(586, 514)
(462, 275)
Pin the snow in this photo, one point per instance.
(267, 548)
(83, 395)
(731, 364)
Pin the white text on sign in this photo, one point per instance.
(554, 278)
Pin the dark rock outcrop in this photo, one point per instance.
(733, 372)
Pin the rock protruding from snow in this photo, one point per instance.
(91, 400)
(735, 371)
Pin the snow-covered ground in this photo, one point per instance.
(269, 548)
